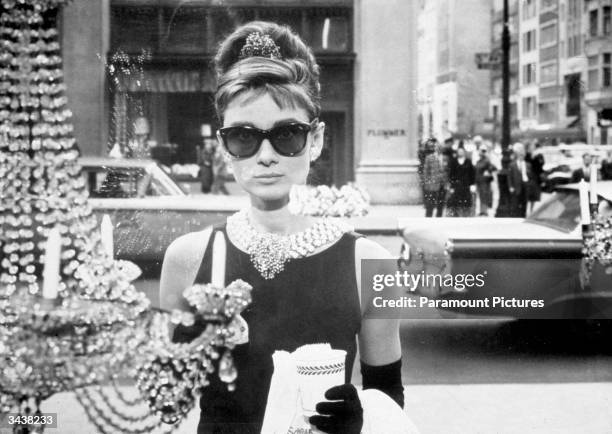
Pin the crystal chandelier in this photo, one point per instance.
(70, 317)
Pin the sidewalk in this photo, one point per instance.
(452, 409)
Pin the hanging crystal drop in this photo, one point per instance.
(227, 370)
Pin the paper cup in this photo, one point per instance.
(316, 375)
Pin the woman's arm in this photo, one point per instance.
(379, 342)
(181, 263)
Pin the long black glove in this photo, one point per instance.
(343, 415)
(386, 378)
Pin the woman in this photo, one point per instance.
(484, 177)
(268, 103)
(461, 176)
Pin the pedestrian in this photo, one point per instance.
(206, 156)
(534, 187)
(221, 172)
(484, 177)
(435, 179)
(267, 101)
(583, 172)
(519, 174)
(462, 185)
(606, 167)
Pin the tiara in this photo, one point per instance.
(260, 45)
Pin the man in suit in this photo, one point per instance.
(435, 180)
(583, 172)
(519, 175)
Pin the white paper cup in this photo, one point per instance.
(316, 375)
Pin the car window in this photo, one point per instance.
(562, 210)
(107, 182)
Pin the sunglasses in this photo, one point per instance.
(287, 140)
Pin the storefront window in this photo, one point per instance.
(183, 30)
(134, 28)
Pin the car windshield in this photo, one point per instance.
(562, 211)
(122, 182)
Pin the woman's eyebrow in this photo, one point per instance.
(284, 121)
(288, 121)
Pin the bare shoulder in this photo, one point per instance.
(181, 263)
(368, 249)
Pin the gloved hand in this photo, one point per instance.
(343, 415)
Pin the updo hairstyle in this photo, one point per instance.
(292, 81)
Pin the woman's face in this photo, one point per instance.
(268, 176)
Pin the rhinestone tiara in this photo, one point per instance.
(260, 45)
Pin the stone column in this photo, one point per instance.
(385, 100)
(84, 37)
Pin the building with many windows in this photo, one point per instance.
(451, 100)
(598, 52)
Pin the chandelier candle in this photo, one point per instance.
(585, 215)
(106, 235)
(52, 264)
(593, 182)
(217, 277)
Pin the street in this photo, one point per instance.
(476, 375)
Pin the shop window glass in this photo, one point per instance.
(183, 30)
(134, 28)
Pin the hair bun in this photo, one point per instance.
(260, 53)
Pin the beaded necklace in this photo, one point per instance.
(270, 252)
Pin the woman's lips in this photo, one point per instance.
(268, 178)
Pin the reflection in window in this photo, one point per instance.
(561, 210)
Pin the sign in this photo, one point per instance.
(488, 60)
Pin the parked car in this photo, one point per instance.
(537, 258)
(147, 207)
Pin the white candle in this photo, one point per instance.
(106, 235)
(585, 215)
(51, 271)
(593, 182)
(217, 277)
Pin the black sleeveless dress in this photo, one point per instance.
(313, 300)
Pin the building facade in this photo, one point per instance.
(598, 51)
(560, 79)
(153, 59)
(131, 59)
(451, 99)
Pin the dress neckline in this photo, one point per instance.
(330, 247)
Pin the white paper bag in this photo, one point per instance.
(381, 415)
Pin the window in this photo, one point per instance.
(606, 24)
(548, 4)
(497, 87)
(548, 35)
(528, 9)
(529, 73)
(547, 112)
(593, 79)
(593, 15)
(529, 41)
(574, 46)
(548, 73)
(606, 70)
(529, 107)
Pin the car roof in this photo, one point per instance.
(115, 162)
(604, 188)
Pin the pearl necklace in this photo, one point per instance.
(270, 252)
